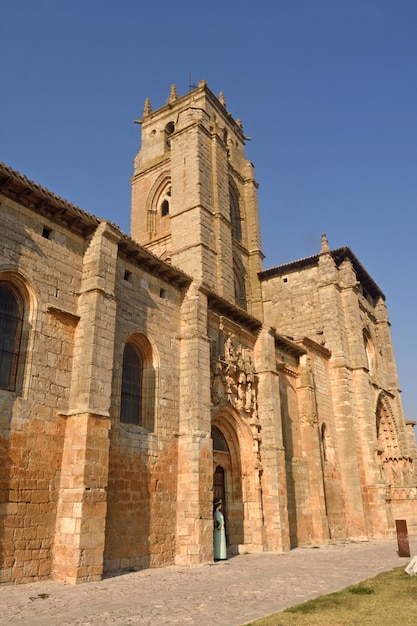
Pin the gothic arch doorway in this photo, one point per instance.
(222, 467)
(236, 476)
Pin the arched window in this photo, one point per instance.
(235, 216)
(11, 320)
(132, 382)
(323, 440)
(164, 208)
(169, 129)
(166, 198)
(159, 206)
(219, 441)
(369, 351)
(137, 405)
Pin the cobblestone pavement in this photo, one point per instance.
(227, 593)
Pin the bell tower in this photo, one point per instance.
(194, 195)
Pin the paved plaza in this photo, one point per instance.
(227, 593)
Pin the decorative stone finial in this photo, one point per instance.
(222, 99)
(239, 123)
(324, 243)
(173, 93)
(147, 108)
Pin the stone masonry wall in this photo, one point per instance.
(81, 511)
(291, 303)
(141, 520)
(327, 303)
(47, 273)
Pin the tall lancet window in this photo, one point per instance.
(11, 320)
(235, 216)
(137, 404)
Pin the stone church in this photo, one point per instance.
(143, 376)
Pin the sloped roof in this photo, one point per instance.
(224, 307)
(338, 254)
(19, 188)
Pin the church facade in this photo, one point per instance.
(144, 376)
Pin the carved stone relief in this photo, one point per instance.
(233, 380)
(398, 472)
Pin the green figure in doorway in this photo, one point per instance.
(219, 532)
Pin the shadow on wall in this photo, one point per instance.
(127, 545)
(289, 458)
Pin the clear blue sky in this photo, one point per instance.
(325, 88)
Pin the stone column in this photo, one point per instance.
(81, 509)
(192, 226)
(220, 206)
(310, 441)
(274, 481)
(255, 261)
(195, 465)
(345, 418)
(410, 425)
